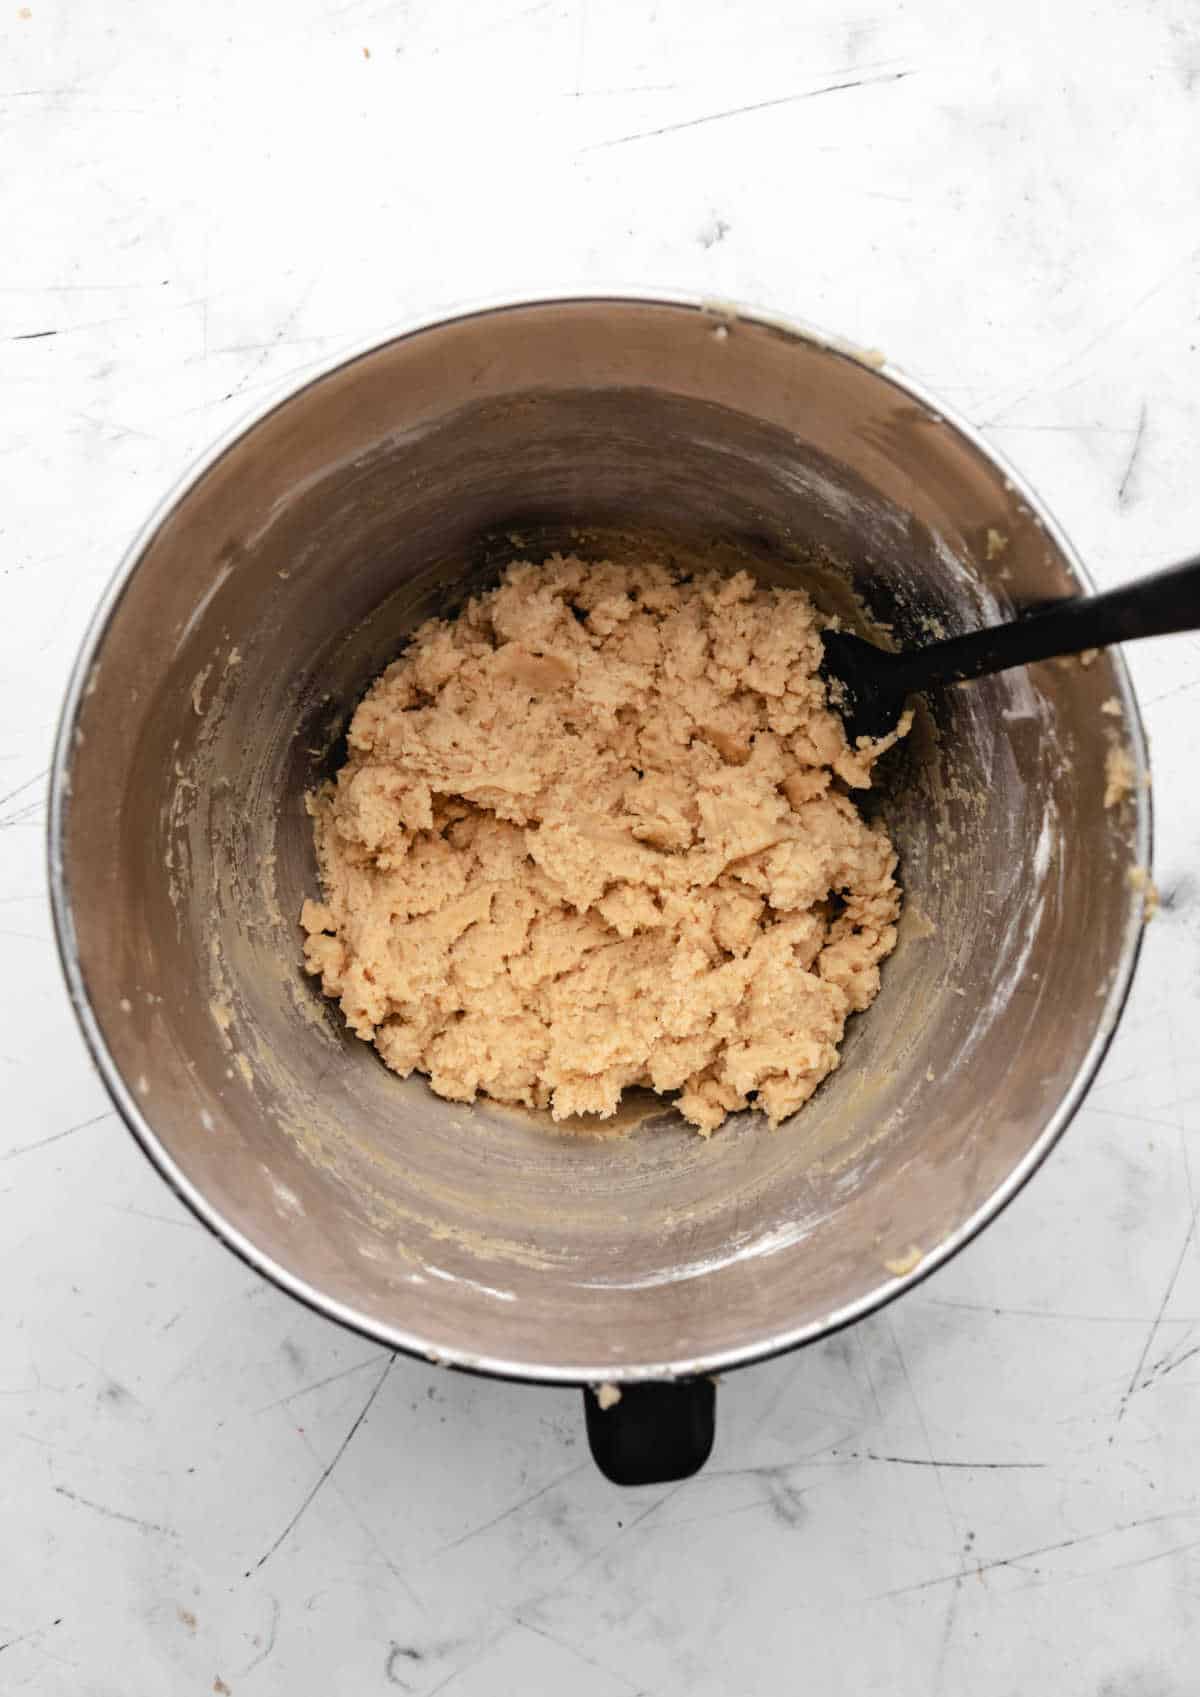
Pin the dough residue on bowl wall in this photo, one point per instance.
(1120, 774)
(596, 833)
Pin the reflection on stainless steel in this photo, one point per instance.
(211, 695)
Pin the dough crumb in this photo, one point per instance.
(1140, 879)
(608, 1396)
(919, 924)
(1119, 774)
(1112, 707)
(597, 832)
(996, 543)
(1086, 657)
(899, 1265)
(198, 683)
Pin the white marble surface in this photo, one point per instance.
(996, 1483)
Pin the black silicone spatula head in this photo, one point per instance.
(859, 680)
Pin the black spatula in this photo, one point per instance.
(875, 684)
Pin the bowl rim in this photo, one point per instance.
(397, 1338)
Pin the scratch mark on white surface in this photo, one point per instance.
(1123, 495)
(317, 1384)
(55, 1137)
(1107, 1083)
(1166, 1365)
(635, 88)
(765, 1470)
(1158, 1555)
(930, 1461)
(1064, 1316)
(1060, 429)
(979, 1568)
(744, 111)
(397, 1574)
(939, 1671)
(952, 1606)
(28, 784)
(34, 1632)
(568, 1579)
(772, 1403)
(856, 1334)
(1153, 1332)
(572, 1650)
(272, 1634)
(135, 318)
(112, 430)
(912, 1391)
(456, 1673)
(1138, 1119)
(450, 43)
(116, 1514)
(276, 341)
(755, 1507)
(1039, 1583)
(1109, 329)
(25, 814)
(159, 1219)
(1183, 1140)
(44, 1443)
(338, 1454)
(320, 339)
(1180, 689)
(580, 45)
(77, 288)
(524, 1502)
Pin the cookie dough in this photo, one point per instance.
(594, 833)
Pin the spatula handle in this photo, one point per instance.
(1152, 606)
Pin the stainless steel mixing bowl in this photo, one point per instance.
(210, 695)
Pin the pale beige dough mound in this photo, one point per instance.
(594, 833)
